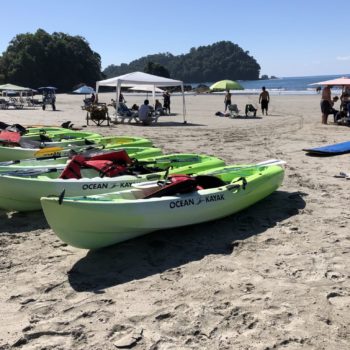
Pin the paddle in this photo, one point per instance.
(169, 160)
(269, 162)
(272, 162)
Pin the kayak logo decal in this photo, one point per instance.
(196, 201)
(125, 184)
(181, 203)
(95, 186)
(214, 198)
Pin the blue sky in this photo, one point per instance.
(287, 38)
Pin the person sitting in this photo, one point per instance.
(345, 101)
(159, 108)
(144, 113)
(93, 98)
(332, 110)
(121, 98)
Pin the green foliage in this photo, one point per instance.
(156, 69)
(222, 60)
(41, 59)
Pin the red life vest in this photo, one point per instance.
(9, 137)
(108, 164)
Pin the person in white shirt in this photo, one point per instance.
(144, 113)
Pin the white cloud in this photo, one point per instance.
(343, 58)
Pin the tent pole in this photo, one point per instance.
(154, 95)
(117, 97)
(183, 104)
(97, 87)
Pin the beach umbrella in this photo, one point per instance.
(226, 85)
(343, 81)
(12, 87)
(84, 90)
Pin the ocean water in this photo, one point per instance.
(286, 85)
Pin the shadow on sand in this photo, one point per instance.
(248, 117)
(15, 222)
(162, 123)
(159, 251)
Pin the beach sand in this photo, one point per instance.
(274, 276)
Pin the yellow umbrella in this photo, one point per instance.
(226, 85)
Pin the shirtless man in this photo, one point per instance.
(326, 103)
(264, 99)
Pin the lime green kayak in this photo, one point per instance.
(43, 130)
(97, 221)
(60, 162)
(22, 190)
(63, 138)
(47, 149)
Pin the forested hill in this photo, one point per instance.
(222, 60)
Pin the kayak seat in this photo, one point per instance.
(175, 187)
(181, 184)
(44, 138)
(209, 181)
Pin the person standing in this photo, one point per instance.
(166, 103)
(264, 99)
(227, 99)
(326, 103)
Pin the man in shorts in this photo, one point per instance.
(326, 103)
(264, 99)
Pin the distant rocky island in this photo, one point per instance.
(221, 60)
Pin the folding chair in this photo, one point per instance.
(234, 111)
(250, 110)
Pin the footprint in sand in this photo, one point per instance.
(339, 299)
(335, 276)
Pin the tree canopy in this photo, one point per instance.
(156, 69)
(41, 59)
(221, 60)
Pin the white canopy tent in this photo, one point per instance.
(140, 78)
(147, 88)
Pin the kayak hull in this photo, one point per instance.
(99, 221)
(22, 193)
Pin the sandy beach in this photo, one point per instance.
(274, 276)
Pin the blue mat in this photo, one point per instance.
(337, 148)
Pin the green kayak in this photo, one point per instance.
(97, 221)
(60, 162)
(8, 153)
(62, 138)
(22, 190)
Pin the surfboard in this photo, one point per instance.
(337, 148)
